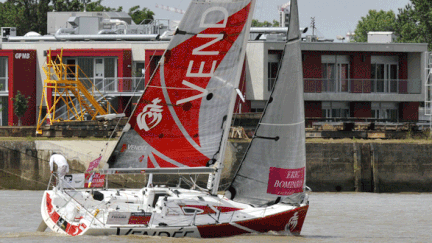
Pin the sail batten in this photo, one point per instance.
(277, 152)
(180, 119)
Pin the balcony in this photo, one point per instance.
(376, 86)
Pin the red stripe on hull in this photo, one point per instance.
(291, 220)
(219, 230)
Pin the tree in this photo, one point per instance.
(256, 23)
(414, 22)
(138, 16)
(20, 105)
(374, 21)
(31, 15)
(407, 27)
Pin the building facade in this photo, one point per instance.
(346, 80)
(341, 80)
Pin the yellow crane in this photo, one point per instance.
(69, 84)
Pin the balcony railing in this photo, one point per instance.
(126, 84)
(384, 86)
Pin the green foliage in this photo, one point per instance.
(138, 16)
(406, 26)
(256, 23)
(20, 105)
(26, 15)
(374, 21)
(413, 23)
(79, 5)
(31, 15)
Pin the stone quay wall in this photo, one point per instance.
(362, 167)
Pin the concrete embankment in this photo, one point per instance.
(343, 166)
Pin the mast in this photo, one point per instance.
(214, 179)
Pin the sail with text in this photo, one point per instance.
(179, 120)
(274, 164)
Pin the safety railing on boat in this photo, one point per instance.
(71, 198)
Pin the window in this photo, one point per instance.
(384, 74)
(335, 110)
(189, 210)
(139, 69)
(4, 111)
(335, 73)
(139, 74)
(71, 69)
(154, 64)
(273, 66)
(3, 74)
(258, 105)
(329, 77)
(257, 109)
(388, 111)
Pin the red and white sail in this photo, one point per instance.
(180, 119)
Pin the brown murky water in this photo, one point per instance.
(332, 217)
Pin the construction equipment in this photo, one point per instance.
(71, 86)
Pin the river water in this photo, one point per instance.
(332, 217)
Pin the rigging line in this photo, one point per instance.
(291, 124)
(252, 179)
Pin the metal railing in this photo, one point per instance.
(385, 86)
(104, 86)
(124, 84)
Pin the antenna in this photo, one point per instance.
(313, 25)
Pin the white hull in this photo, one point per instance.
(171, 212)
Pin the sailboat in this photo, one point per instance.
(180, 126)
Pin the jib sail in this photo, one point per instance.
(273, 168)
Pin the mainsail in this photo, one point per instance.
(273, 167)
(180, 119)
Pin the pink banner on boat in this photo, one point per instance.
(285, 182)
(94, 164)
